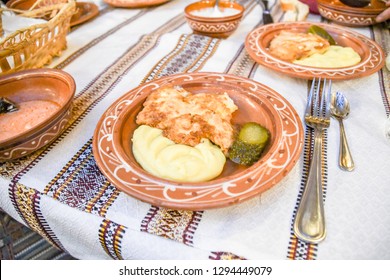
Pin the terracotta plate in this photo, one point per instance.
(85, 11)
(112, 145)
(372, 56)
(134, 3)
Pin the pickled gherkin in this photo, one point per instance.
(249, 145)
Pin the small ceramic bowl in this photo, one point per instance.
(203, 21)
(345, 17)
(350, 16)
(38, 86)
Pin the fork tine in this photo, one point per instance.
(317, 101)
(309, 105)
(325, 99)
(328, 94)
(323, 96)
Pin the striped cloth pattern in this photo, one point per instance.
(18, 242)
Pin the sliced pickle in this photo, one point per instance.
(253, 133)
(248, 147)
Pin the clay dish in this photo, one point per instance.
(112, 145)
(375, 7)
(48, 85)
(219, 27)
(371, 54)
(346, 15)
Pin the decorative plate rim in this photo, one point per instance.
(256, 180)
(367, 67)
(92, 12)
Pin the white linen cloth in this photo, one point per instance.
(357, 203)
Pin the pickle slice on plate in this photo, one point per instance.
(253, 133)
(249, 145)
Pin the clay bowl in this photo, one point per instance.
(47, 86)
(375, 7)
(336, 11)
(210, 25)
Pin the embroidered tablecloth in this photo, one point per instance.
(59, 191)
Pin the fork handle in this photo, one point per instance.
(309, 224)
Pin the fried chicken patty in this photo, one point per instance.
(186, 118)
(290, 46)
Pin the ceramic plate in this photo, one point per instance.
(85, 11)
(112, 145)
(134, 3)
(372, 56)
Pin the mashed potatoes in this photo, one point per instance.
(334, 57)
(181, 163)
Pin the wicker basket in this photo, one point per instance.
(36, 45)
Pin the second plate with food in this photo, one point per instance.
(112, 144)
(372, 56)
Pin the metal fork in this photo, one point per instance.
(309, 224)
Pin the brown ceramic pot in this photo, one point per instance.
(336, 11)
(219, 27)
(39, 84)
